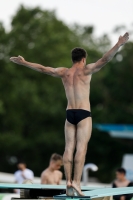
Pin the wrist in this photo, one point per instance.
(24, 62)
(119, 44)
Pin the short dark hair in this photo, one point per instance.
(21, 162)
(77, 54)
(121, 170)
(56, 157)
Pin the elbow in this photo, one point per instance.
(41, 69)
(105, 59)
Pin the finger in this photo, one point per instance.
(13, 61)
(21, 57)
(12, 58)
(126, 34)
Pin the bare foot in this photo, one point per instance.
(77, 189)
(69, 189)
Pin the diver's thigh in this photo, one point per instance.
(84, 129)
(70, 134)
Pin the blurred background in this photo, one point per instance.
(32, 105)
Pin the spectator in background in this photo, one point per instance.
(23, 174)
(121, 181)
(52, 175)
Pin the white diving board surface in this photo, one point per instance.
(96, 193)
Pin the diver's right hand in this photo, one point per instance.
(19, 60)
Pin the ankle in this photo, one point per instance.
(69, 183)
(76, 182)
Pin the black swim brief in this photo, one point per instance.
(74, 116)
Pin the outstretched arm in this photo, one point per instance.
(94, 67)
(57, 72)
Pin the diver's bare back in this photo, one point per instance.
(77, 88)
(76, 80)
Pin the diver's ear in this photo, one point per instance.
(84, 60)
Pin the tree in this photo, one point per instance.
(30, 105)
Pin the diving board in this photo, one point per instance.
(97, 193)
(39, 186)
(34, 191)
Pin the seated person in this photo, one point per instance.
(121, 181)
(52, 174)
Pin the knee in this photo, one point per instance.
(81, 152)
(69, 150)
(80, 156)
(67, 157)
(68, 154)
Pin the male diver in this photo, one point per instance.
(78, 125)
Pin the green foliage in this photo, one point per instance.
(30, 102)
(114, 87)
(32, 105)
